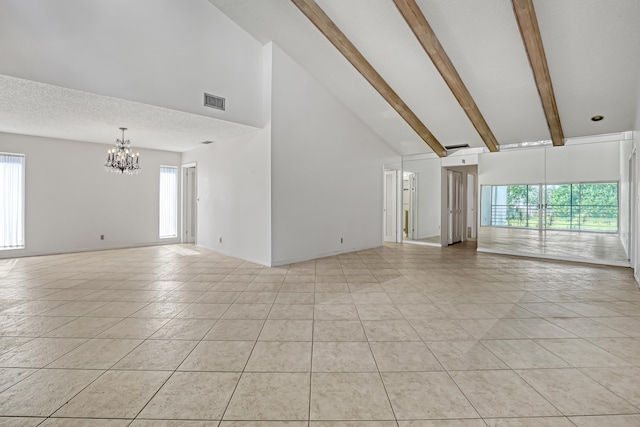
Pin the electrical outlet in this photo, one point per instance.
(102, 237)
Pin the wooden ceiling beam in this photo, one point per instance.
(416, 20)
(530, 32)
(327, 27)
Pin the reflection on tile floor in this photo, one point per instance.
(433, 239)
(402, 335)
(568, 245)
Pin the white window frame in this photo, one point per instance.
(23, 199)
(175, 205)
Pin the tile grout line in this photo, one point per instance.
(442, 365)
(384, 386)
(226, 408)
(313, 319)
(313, 323)
(177, 367)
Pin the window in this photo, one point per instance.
(579, 207)
(168, 201)
(11, 201)
(583, 207)
(511, 205)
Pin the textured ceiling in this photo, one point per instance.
(592, 46)
(33, 108)
(159, 52)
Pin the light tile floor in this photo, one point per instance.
(402, 335)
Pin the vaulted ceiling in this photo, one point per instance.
(454, 71)
(591, 49)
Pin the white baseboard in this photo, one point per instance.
(18, 253)
(323, 255)
(225, 253)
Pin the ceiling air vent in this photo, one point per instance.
(207, 142)
(213, 101)
(456, 147)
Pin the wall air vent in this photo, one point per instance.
(214, 101)
(456, 147)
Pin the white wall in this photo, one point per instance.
(234, 187)
(71, 200)
(511, 167)
(233, 180)
(589, 162)
(326, 169)
(159, 52)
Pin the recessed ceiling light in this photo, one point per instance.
(597, 118)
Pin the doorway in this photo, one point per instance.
(409, 205)
(459, 204)
(189, 203)
(455, 205)
(472, 218)
(391, 230)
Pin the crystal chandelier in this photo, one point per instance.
(121, 159)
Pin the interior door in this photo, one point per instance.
(190, 205)
(390, 209)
